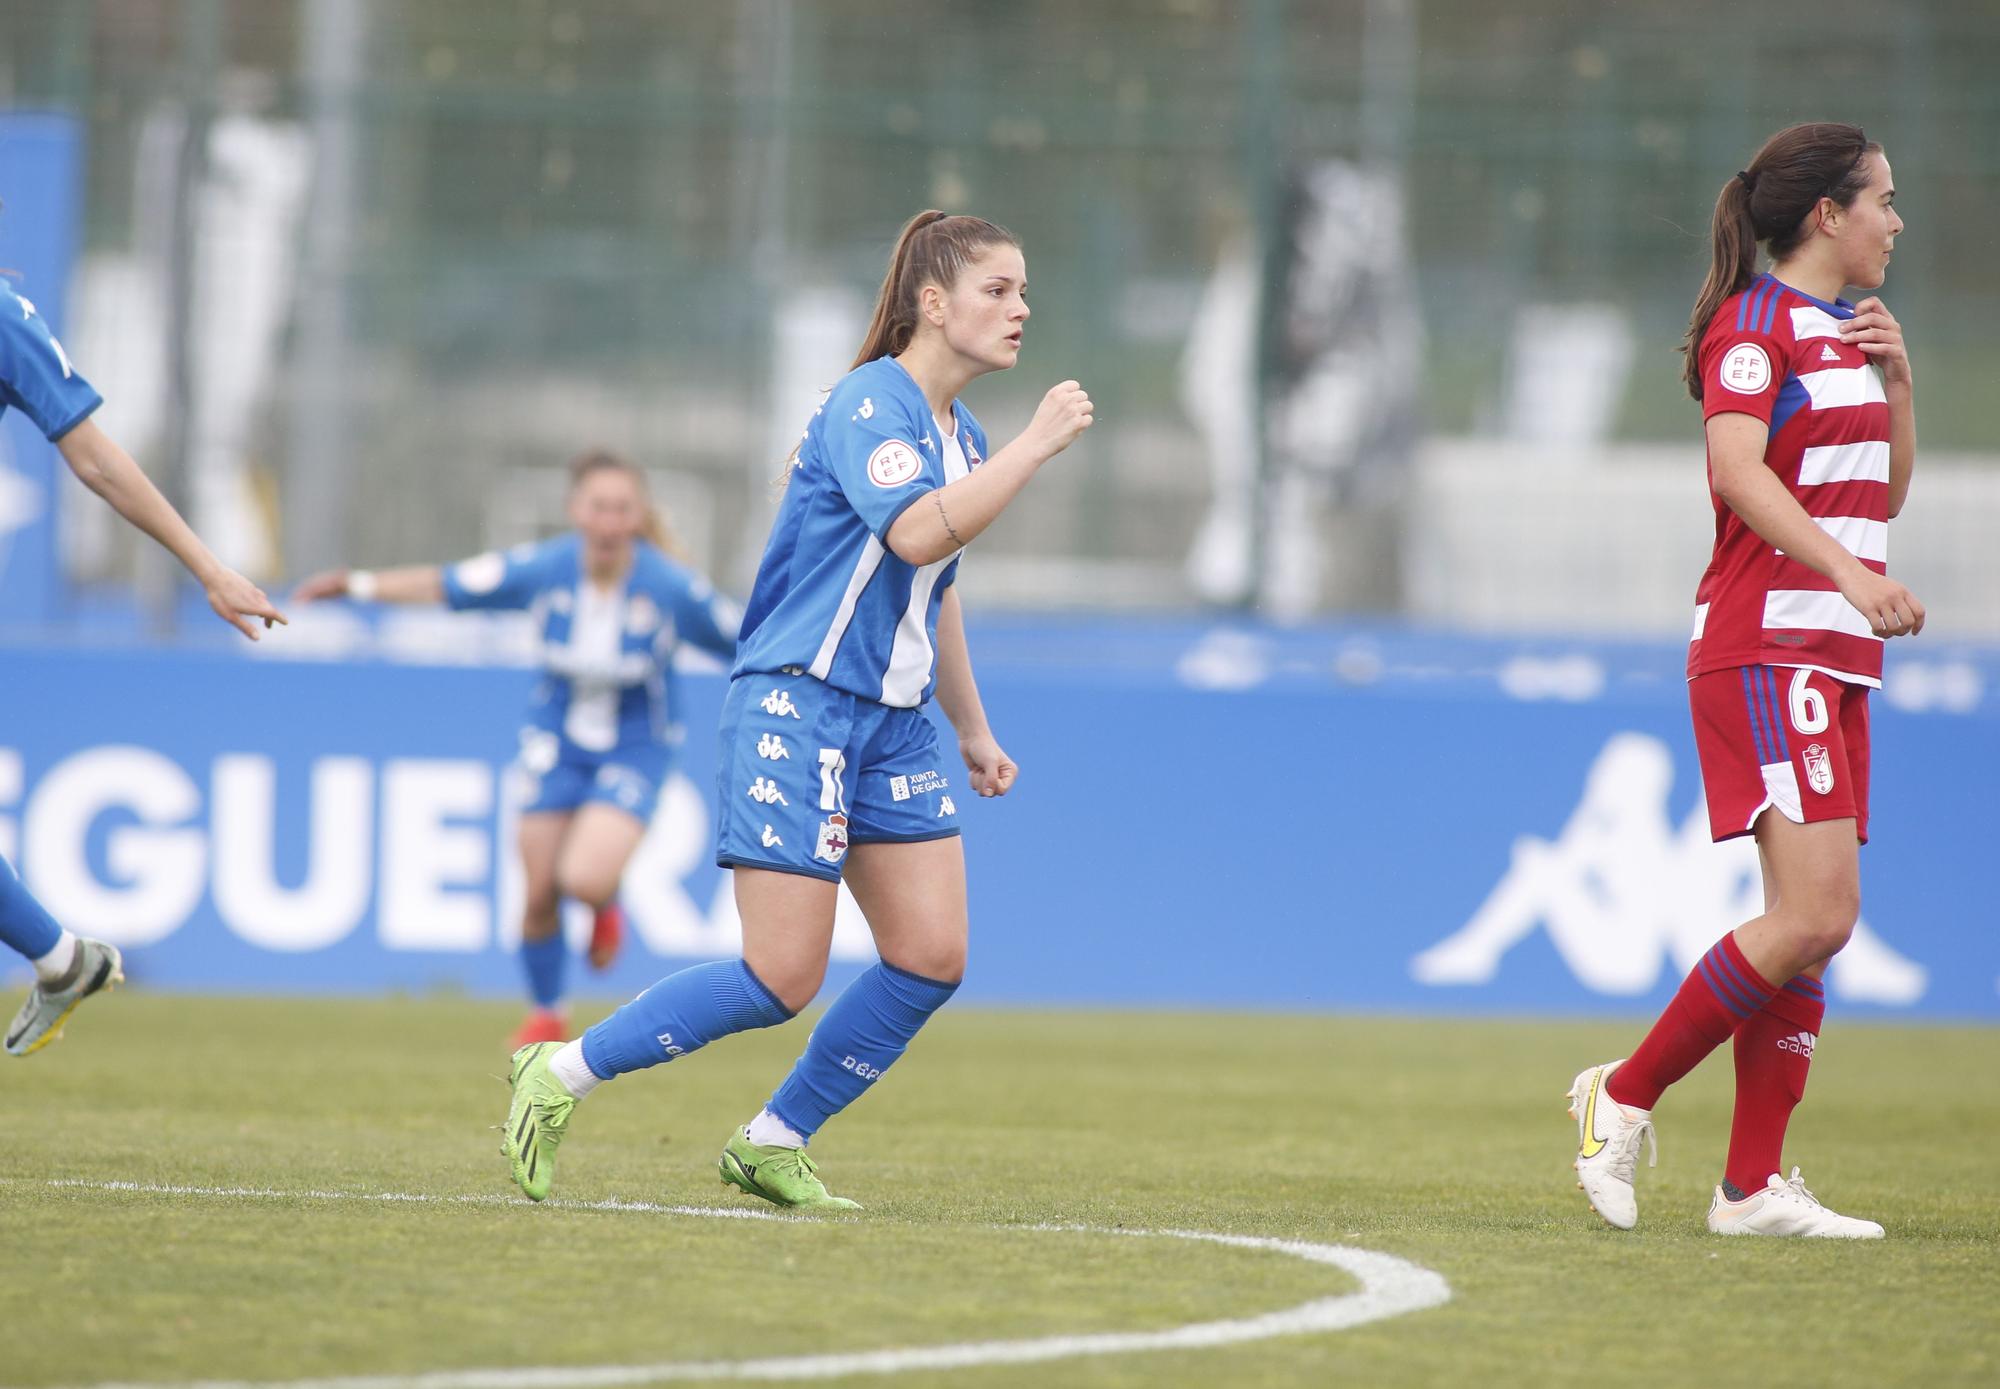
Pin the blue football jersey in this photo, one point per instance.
(831, 598)
(607, 659)
(35, 375)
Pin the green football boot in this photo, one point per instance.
(782, 1176)
(536, 1119)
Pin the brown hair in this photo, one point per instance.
(1770, 202)
(654, 530)
(933, 249)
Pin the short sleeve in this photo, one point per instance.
(872, 450)
(501, 578)
(704, 617)
(36, 377)
(1741, 374)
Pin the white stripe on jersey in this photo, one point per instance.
(1840, 386)
(1811, 610)
(1867, 461)
(864, 570)
(1700, 620)
(1859, 536)
(1811, 321)
(910, 657)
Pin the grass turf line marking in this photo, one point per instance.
(412, 1198)
(1390, 1287)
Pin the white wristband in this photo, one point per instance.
(362, 585)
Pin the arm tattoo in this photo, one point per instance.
(947, 521)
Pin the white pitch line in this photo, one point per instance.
(1390, 1287)
(417, 1198)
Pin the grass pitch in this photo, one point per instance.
(1442, 1142)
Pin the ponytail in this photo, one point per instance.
(1732, 239)
(932, 249)
(1773, 201)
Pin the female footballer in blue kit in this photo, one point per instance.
(37, 379)
(603, 724)
(829, 768)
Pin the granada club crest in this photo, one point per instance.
(1819, 769)
(832, 846)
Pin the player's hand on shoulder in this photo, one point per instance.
(1875, 331)
(993, 771)
(1064, 413)
(1891, 609)
(237, 601)
(328, 583)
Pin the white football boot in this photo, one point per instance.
(98, 966)
(1607, 1146)
(1784, 1208)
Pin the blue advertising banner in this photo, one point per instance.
(41, 169)
(1372, 820)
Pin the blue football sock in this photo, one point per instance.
(545, 962)
(860, 1037)
(23, 923)
(682, 1013)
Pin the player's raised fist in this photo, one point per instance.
(1065, 413)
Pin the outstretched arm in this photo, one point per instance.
(416, 583)
(992, 770)
(106, 469)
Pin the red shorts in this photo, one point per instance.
(1781, 736)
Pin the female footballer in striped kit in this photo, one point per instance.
(830, 771)
(1811, 443)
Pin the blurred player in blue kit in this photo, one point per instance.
(829, 768)
(603, 724)
(37, 379)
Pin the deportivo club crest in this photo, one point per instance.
(832, 846)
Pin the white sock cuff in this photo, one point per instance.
(767, 1130)
(56, 963)
(569, 1067)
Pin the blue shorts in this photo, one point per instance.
(557, 775)
(808, 770)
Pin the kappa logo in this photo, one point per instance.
(1799, 1044)
(779, 704)
(832, 846)
(1819, 768)
(1746, 369)
(893, 463)
(945, 807)
(899, 788)
(929, 443)
(1624, 893)
(772, 748)
(1827, 354)
(764, 791)
(771, 839)
(867, 410)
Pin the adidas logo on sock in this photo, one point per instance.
(1800, 1044)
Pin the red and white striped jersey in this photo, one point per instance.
(1776, 353)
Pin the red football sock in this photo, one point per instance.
(1773, 1053)
(1719, 995)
